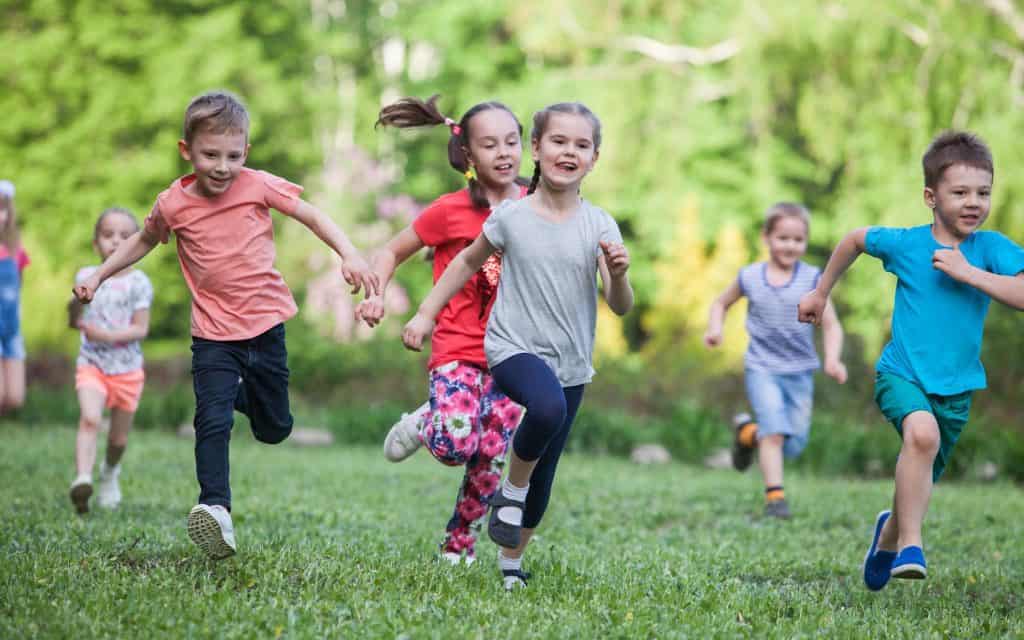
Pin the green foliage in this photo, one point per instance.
(830, 104)
(337, 543)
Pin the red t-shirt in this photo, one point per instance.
(450, 224)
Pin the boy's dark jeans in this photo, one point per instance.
(250, 376)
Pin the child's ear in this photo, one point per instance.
(929, 197)
(187, 154)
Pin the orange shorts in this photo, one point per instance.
(122, 390)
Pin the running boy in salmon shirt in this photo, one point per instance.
(220, 215)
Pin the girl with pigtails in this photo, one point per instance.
(467, 422)
(540, 336)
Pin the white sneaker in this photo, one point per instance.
(455, 559)
(81, 491)
(108, 491)
(210, 528)
(404, 438)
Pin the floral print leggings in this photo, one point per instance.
(470, 423)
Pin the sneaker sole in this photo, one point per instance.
(204, 531)
(80, 495)
(909, 572)
(405, 451)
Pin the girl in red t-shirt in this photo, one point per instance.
(467, 421)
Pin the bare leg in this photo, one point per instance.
(90, 402)
(519, 470)
(14, 385)
(117, 440)
(913, 482)
(769, 458)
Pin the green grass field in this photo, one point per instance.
(336, 542)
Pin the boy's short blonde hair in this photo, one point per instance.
(781, 210)
(216, 112)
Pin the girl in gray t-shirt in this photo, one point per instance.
(109, 370)
(540, 335)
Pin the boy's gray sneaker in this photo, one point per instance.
(777, 509)
(210, 528)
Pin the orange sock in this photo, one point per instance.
(771, 494)
(748, 435)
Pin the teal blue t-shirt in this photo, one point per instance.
(937, 322)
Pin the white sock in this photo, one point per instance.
(83, 478)
(509, 564)
(509, 490)
(107, 470)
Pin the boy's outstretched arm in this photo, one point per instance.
(812, 305)
(716, 316)
(1006, 289)
(384, 261)
(128, 253)
(354, 268)
(455, 276)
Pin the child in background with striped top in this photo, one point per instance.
(781, 357)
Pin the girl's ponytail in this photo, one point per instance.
(535, 179)
(413, 112)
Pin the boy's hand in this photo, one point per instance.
(416, 330)
(371, 310)
(86, 290)
(712, 338)
(357, 273)
(616, 257)
(811, 307)
(836, 370)
(952, 263)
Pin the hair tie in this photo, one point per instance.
(470, 174)
(454, 126)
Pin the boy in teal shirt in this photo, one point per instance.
(947, 272)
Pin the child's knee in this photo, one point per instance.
(548, 414)
(89, 422)
(922, 436)
(271, 430)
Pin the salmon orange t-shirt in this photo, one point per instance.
(226, 251)
(450, 224)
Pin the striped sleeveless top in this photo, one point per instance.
(779, 343)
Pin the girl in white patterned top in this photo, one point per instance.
(109, 370)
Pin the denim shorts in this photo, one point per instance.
(782, 406)
(12, 347)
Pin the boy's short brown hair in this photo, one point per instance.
(954, 147)
(217, 112)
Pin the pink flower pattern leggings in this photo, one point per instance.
(470, 423)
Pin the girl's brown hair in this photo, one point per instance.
(413, 112)
(540, 124)
(781, 210)
(112, 211)
(9, 234)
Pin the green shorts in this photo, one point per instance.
(898, 398)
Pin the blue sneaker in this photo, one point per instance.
(909, 564)
(878, 564)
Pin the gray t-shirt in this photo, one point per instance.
(112, 307)
(547, 296)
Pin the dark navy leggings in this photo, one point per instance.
(550, 411)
